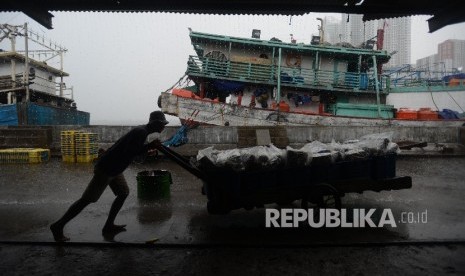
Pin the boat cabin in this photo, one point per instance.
(43, 84)
(305, 77)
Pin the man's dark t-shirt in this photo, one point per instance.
(118, 157)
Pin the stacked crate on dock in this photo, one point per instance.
(24, 155)
(86, 147)
(68, 145)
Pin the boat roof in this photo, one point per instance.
(445, 12)
(14, 55)
(198, 38)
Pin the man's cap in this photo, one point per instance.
(158, 116)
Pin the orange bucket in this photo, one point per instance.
(283, 106)
(406, 114)
(427, 114)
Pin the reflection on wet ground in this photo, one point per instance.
(33, 196)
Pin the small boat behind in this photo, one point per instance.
(32, 91)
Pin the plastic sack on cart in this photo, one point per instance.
(267, 156)
(230, 159)
(259, 157)
(349, 151)
(316, 147)
(249, 161)
(375, 144)
(278, 156)
(321, 153)
(206, 158)
(393, 148)
(297, 157)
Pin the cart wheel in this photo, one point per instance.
(328, 196)
(324, 196)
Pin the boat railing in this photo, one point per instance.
(289, 76)
(36, 82)
(7, 82)
(427, 83)
(407, 78)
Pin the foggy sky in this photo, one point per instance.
(120, 62)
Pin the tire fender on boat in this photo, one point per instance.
(293, 60)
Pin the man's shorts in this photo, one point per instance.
(100, 181)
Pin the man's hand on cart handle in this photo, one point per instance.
(155, 144)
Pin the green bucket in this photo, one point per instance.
(154, 184)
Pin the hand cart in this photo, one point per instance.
(323, 185)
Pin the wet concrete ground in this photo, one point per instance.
(191, 240)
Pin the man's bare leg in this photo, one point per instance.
(73, 211)
(110, 227)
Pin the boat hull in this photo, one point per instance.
(36, 114)
(217, 113)
(437, 100)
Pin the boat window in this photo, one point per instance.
(218, 55)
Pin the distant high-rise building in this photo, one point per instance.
(450, 58)
(397, 40)
(431, 66)
(344, 29)
(332, 28)
(358, 30)
(352, 29)
(452, 53)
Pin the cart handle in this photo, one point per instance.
(182, 161)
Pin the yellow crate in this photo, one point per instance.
(67, 136)
(86, 158)
(79, 146)
(67, 143)
(86, 136)
(86, 145)
(68, 133)
(68, 158)
(13, 158)
(67, 146)
(24, 155)
(88, 152)
(81, 133)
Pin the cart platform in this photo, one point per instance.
(227, 189)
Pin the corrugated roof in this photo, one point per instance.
(444, 11)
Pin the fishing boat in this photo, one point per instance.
(32, 87)
(248, 81)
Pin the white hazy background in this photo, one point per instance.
(120, 62)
